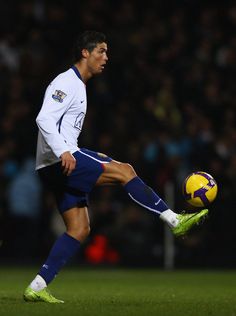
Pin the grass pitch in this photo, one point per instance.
(123, 292)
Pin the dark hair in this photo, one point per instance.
(87, 40)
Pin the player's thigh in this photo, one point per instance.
(116, 172)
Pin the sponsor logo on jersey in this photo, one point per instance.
(59, 96)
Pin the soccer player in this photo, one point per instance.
(71, 172)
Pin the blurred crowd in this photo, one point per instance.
(165, 104)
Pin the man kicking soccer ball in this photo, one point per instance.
(71, 172)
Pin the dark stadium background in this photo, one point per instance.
(165, 103)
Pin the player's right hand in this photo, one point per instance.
(68, 162)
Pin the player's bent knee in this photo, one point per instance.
(80, 233)
(83, 233)
(128, 172)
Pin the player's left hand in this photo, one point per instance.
(68, 162)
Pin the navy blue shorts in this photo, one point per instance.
(71, 191)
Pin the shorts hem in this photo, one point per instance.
(79, 205)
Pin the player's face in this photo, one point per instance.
(98, 58)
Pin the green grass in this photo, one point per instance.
(124, 292)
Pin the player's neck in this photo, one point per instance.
(84, 73)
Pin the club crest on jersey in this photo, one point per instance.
(59, 96)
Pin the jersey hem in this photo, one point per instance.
(46, 165)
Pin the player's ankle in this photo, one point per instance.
(38, 283)
(170, 218)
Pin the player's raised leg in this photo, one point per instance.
(139, 192)
(77, 229)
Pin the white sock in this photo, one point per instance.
(170, 218)
(38, 283)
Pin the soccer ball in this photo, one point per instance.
(200, 189)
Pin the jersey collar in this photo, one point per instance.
(77, 72)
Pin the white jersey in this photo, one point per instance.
(61, 117)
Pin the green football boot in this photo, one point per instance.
(40, 296)
(187, 221)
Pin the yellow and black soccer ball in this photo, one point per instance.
(200, 189)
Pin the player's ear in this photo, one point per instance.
(85, 53)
